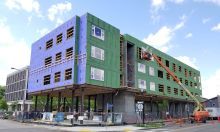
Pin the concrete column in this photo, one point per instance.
(29, 106)
(95, 102)
(103, 102)
(124, 102)
(89, 97)
(77, 104)
(47, 103)
(51, 104)
(64, 104)
(72, 107)
(82, 101)
(59, 99)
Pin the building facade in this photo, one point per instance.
(16, 90)
(87, 58)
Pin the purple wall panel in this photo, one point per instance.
(82, 50)
(39, 53)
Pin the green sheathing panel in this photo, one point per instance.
(164, 81)
(76, 47)
(111, 47)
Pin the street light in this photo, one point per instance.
(24, 97)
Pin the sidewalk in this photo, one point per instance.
(126, 128)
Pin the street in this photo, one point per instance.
(12, 126)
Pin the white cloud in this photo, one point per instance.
(189, 35)
(26, 5)
(216, 28)
(216, 2)
(58, 10)
(161, 39)
(13, 52)
(157, 5)
(211, 85)
(205, 20)
(187, 60)
(43, 31)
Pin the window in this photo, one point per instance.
(141, 68)
(151, 71)
(48, 61)
(181, 92)
(181, 80)
(152, 86)
(195, 84)
(186, 73)
(58, 56)
(168, 76)
(180, 69)
(68, 74)
(186, 82)
(160, 74)
(174, 67)
(69, 32)
(59, 38)
(167, 63)
(46, 79)
(190, 73)
(97, 53)
(57, 77)
(176, 91)
(191, 84)
(69, 52)
(141, 84)
(139, 53)
(161, 88)
(168, 90)
(160, 59)
(98, 32)
(49, 44)
(97, 74)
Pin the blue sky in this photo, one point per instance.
(185, 29)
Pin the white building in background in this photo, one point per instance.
(16, 90)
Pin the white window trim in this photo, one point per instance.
(141, 68)
(151, 71)
(93, 69)
(102, 37)
(94, 50)
(140, 84)
(152, 86)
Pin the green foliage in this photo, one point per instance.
(2, 92)
(163, 105)
(3, 104)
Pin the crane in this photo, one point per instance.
(199, 113)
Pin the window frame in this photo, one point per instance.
(102, 36)
(95, 50)
(141, 68)
(93, 75)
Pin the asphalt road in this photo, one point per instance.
(12, 126)
(208, 127)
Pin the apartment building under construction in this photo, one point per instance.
(88, 59)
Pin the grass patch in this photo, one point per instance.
(152, 125)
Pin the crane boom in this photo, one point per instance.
(199, 105)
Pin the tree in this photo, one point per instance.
(163, 105)
(2, 92)
(3, 104)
